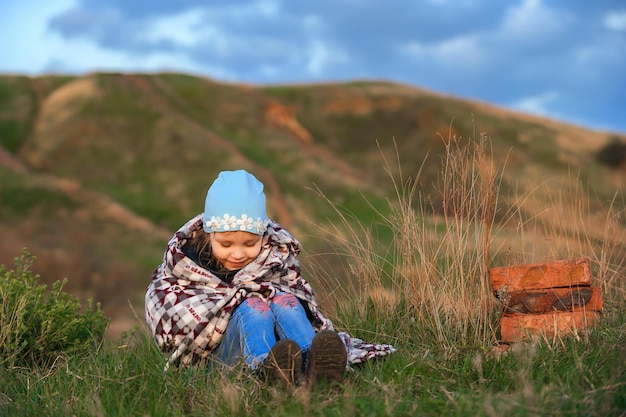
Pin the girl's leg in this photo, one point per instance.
(249, 334)
(291, 320)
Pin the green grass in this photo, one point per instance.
(19, 200)
(18, 108)
(12, 132)
(574, 377)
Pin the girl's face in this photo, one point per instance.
(234, 250)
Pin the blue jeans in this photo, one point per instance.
(255, 327)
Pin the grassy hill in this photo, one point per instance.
(403, 199)
(97, 171)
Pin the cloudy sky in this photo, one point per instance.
(564, 59)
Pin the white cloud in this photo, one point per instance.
(81, 56)
(537, 104)
(26, 40)
(461, 54)
(321, 57)
(267, 8)
(532, 21)
(615, 21)
(519, 18)
(182, 29)
(462, 50)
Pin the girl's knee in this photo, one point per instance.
(253, 307)
(286, 300)
(256, 304)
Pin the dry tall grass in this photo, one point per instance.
(435, 272)
(437, 265)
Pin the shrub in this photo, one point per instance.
(613, 154)
(36, 325)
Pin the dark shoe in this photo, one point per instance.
(327, 359)
(284, 362)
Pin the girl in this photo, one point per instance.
(230, 287)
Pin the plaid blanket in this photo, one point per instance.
(188, 308)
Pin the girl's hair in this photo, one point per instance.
(200, 241)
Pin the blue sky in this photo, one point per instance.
(564, 59)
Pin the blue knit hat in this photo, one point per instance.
(235, 201)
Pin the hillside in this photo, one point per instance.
(97, 171)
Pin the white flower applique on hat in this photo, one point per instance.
(232, 223)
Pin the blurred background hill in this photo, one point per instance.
(98, 171)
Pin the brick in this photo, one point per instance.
(518, 327)
(553, 299)
(565, 273)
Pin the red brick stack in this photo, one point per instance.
(554, 298)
